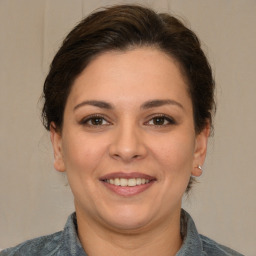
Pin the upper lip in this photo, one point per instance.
(125, 175)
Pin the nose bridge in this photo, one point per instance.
(128, 141)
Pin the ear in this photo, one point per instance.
(57, 148)
(200, 150)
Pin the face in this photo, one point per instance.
(128, 143)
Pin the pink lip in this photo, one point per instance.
(127, 191)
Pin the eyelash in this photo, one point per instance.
(168, 119)
(90, 118)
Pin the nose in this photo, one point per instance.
(127, 144)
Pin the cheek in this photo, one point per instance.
(82, 154)
(175, 153)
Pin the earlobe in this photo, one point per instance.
(57, 148)
(200, 151)
(197, 171)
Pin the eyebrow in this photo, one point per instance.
(147, 105)
(95, 103)
(159, 103)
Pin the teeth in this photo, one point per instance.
(132, 182)
(123, 182)
(127, 182)
(138, 181)
(117, 182)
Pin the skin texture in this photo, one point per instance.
(129, 135)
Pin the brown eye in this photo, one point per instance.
(161, 121)
(94, 121)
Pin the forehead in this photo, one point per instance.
(139, 74)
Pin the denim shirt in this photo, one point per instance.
(66, 242)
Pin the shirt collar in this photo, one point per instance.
(192, 244)
(71, 244)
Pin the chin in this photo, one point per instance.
(130, 224)
(127, 218)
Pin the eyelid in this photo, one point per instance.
(170, 119)
(85, 120)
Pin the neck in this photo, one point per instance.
(161, 239)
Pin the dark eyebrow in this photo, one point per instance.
(96, 103)
(159, 103)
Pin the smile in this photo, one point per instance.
(127, 182)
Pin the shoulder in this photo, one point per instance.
(63, 243)
(196, 244)
(43, 245)
(210, 247)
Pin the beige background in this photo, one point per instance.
(34, 199)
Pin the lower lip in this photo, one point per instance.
(128, 191)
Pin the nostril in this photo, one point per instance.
(118, 155)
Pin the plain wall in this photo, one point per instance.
(35, 200)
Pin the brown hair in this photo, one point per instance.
(121, 28)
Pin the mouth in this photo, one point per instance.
(127, 184)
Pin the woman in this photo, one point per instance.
(128, 102)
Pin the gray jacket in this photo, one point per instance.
(66, 243)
